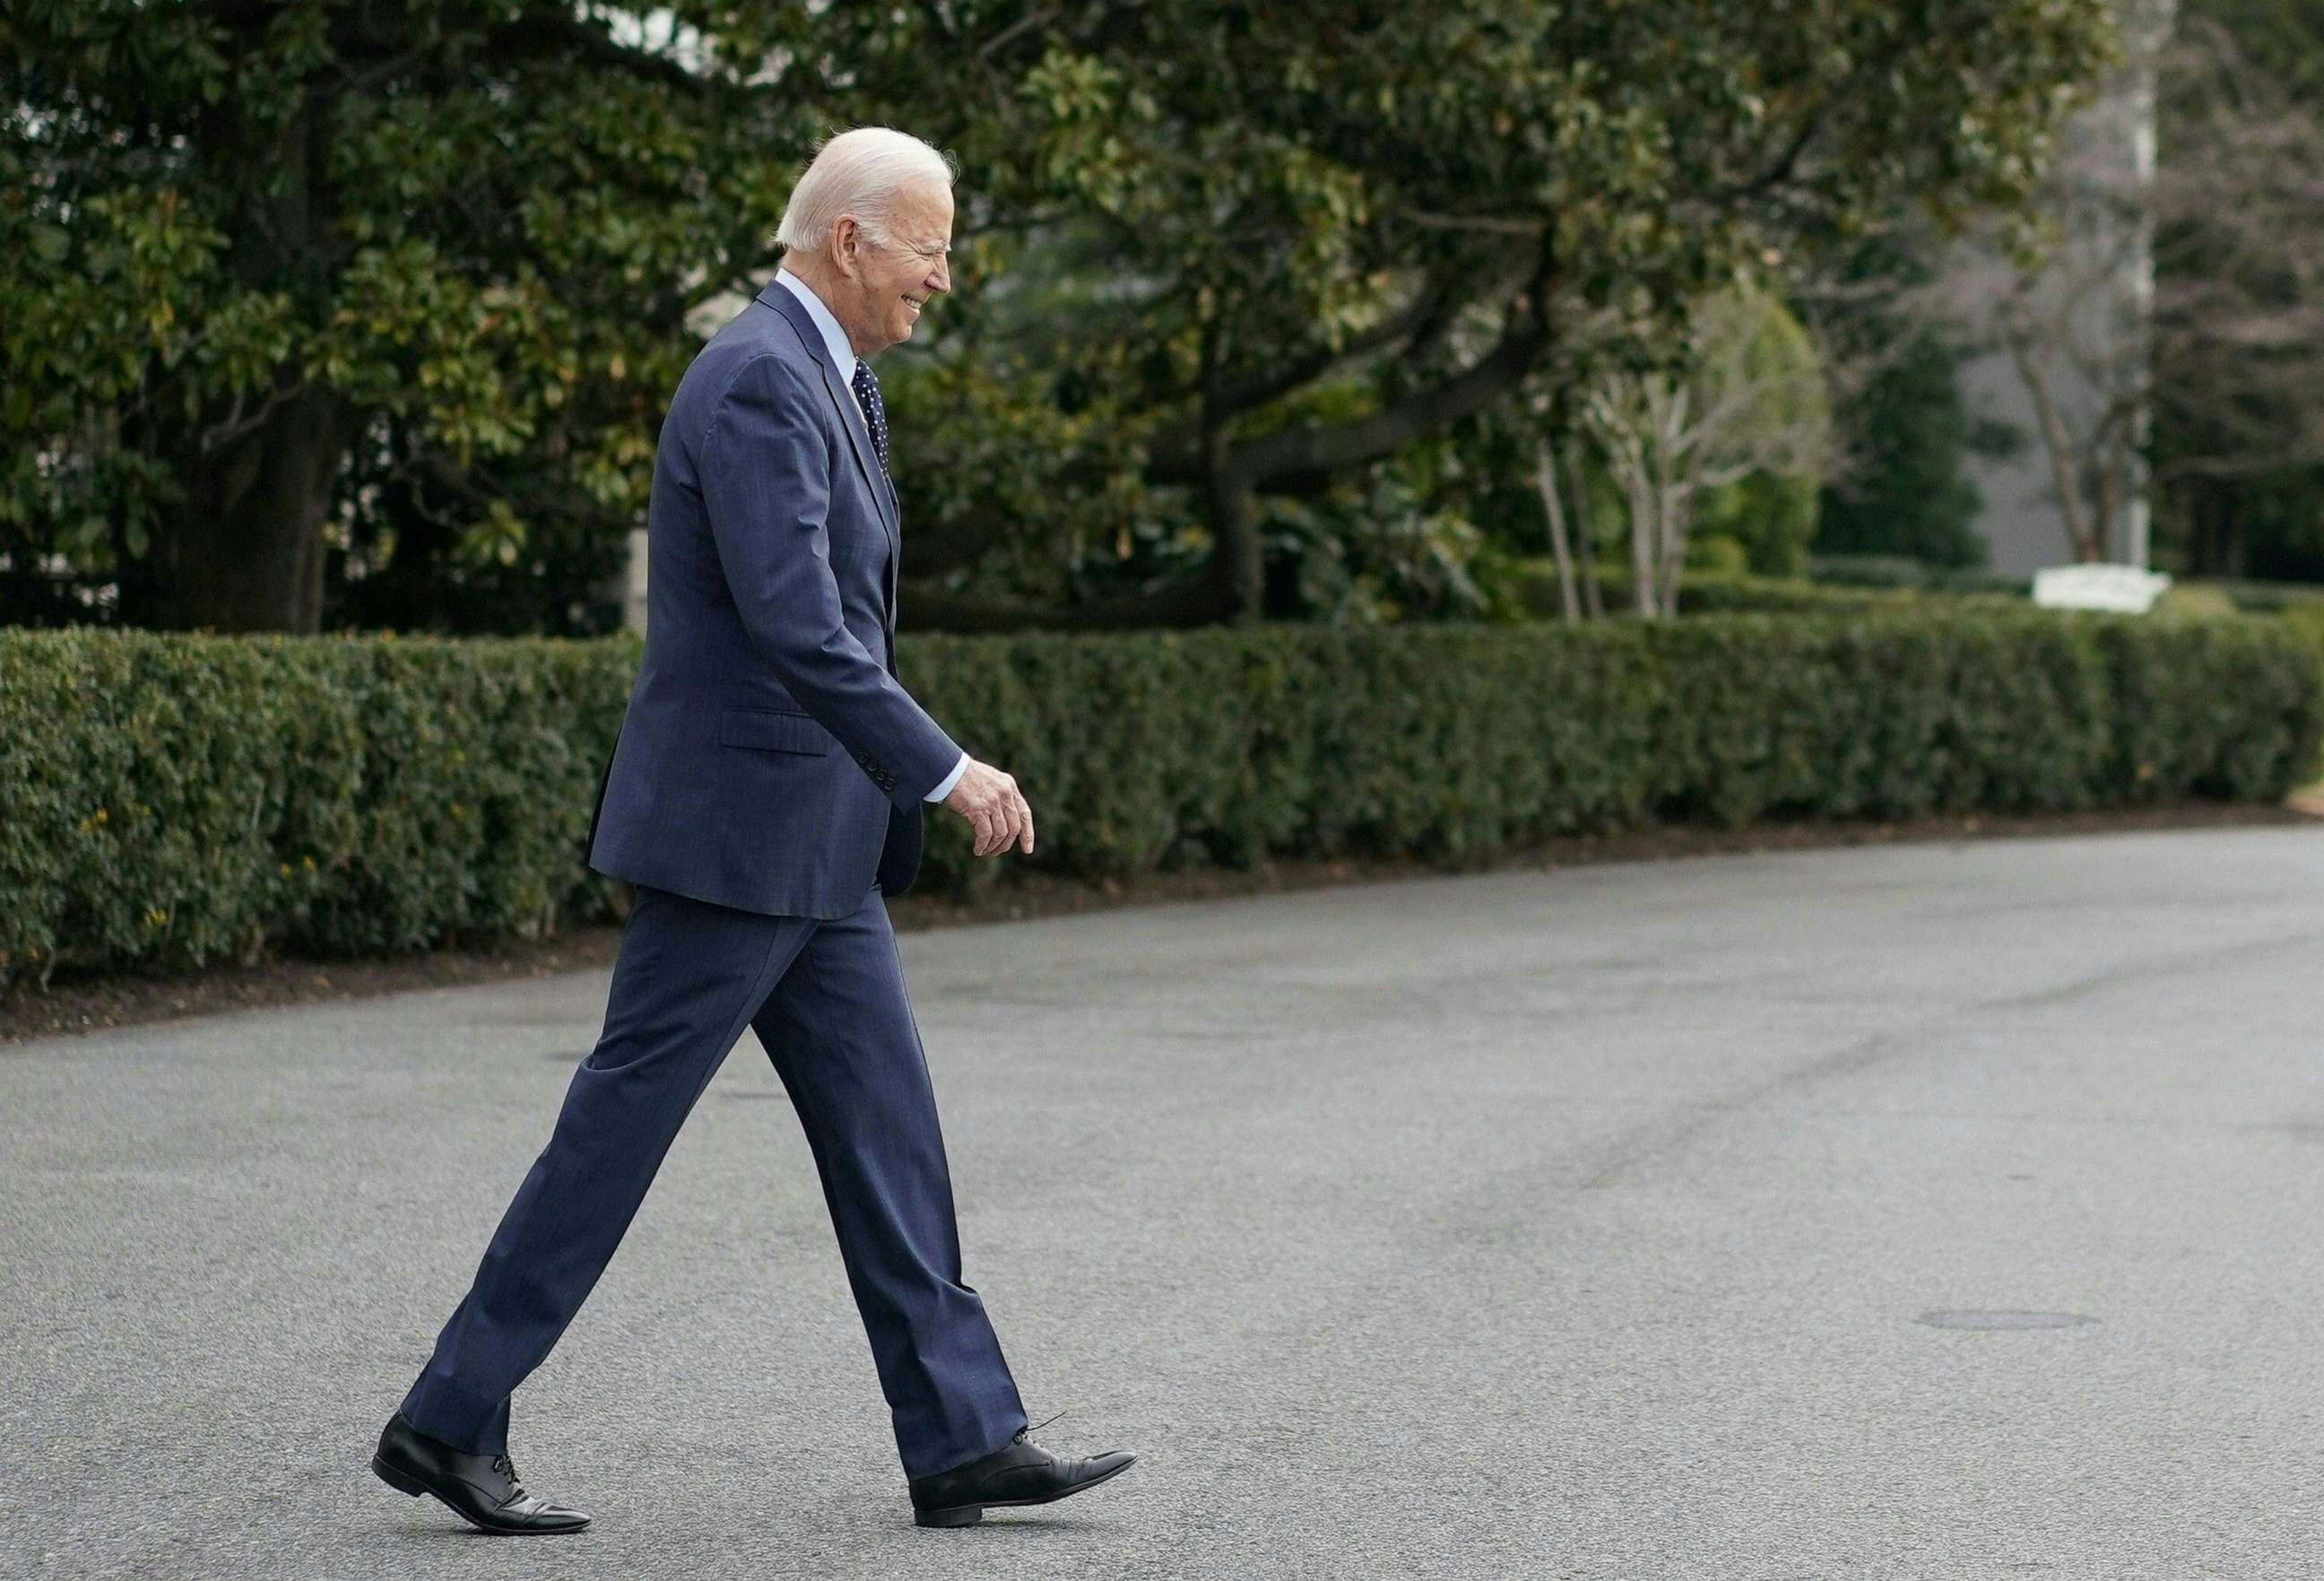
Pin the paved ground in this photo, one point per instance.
(1600, 1224)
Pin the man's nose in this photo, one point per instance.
(940, 277)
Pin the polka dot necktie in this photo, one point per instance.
(867, 391)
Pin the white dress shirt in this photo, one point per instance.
(843, 357)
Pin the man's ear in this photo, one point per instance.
(845, 240)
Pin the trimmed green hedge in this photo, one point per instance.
(178, 800)
(1902, 572)
(1533, 590)
(2266, 598)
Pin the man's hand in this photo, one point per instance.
(990, 800)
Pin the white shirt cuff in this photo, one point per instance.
(944, 787)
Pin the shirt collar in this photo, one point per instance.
(835, 338)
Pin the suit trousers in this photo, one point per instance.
(828, 1001)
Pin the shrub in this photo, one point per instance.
(171, 800)
(2194, 601)
(180, 799)
(1900, 571)
(1530, 586)
(2264, 598)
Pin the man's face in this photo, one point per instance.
(892, 278)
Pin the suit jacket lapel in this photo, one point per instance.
(868, 460)
(851, 417)
(883, 497)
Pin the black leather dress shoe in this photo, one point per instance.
(480, 1489)
(1020, 1472)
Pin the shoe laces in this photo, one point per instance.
(507, 1468)
(1024, 1433)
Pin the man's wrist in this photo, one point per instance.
(944, 785)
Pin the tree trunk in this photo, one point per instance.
(1642, 546)
(1670, 519)
(244, 552)
(2108, 498)
(1670, 546)
(1546, 479)
(1593, 598)
(1238, 564)
(2057, 444)
(1676, 464)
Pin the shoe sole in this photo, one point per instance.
(405, 1482)
(970, 1514)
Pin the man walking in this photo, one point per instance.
(765, 797)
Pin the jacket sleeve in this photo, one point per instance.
(766, 485)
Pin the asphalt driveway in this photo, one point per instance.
(1926, 1211)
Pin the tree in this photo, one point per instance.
(418, 274)
(408, 272)
(2188, 297)
(1746, 406)
(2238, 451)
(1901, 489)
(1272, 245)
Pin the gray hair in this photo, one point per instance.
(858, 172)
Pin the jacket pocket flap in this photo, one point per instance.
(770, 732)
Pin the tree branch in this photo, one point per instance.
(1040, 17)
(1500, 225)
(1253, 391)
(1177, 449)
(1349, 444)
(1775, 174)
(1780, 172)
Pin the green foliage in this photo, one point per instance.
(1911, 496)
(1908, 495)
(1371, 550)
(1899, 571)
(173, 801)
(1268, 187)
(1531, 587)
(1768, 517)
(183, 799)
(2266, 598)
(422, 273)
(1759, 357)
(2305, 621)
(448, 248)
(2194, 601)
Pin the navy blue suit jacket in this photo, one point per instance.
(770, 760)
